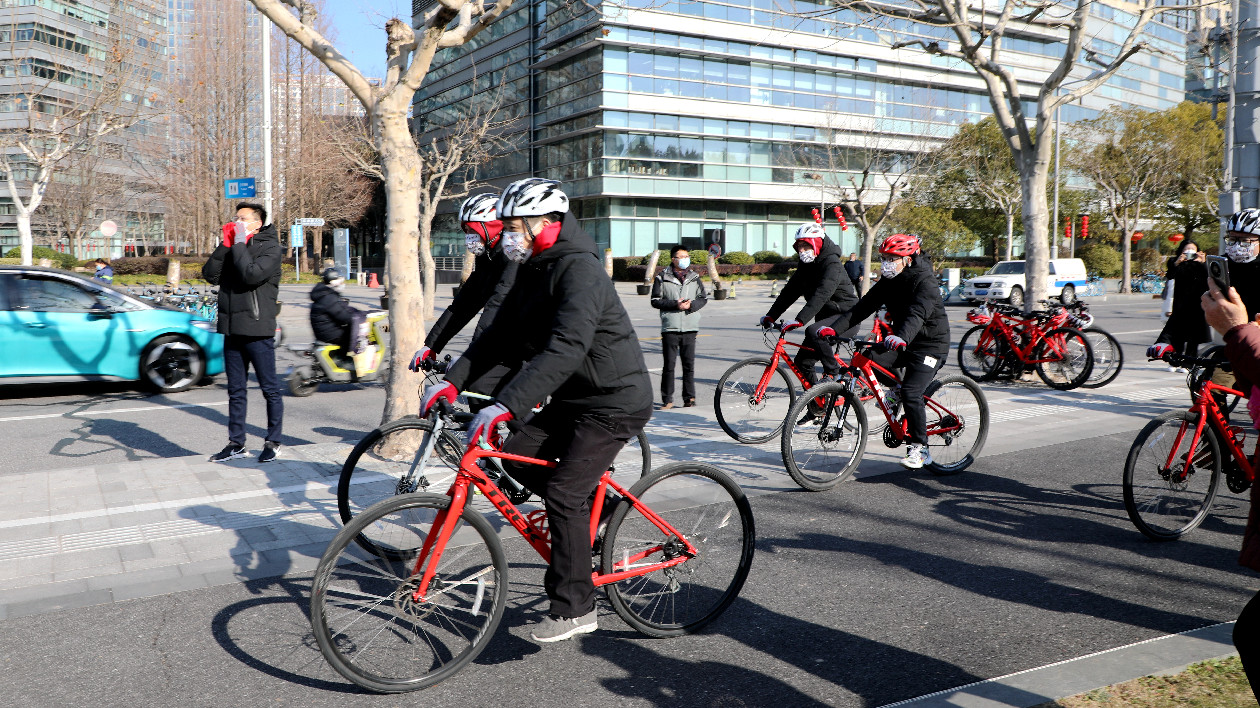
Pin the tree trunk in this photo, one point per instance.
(25, 239)
(651, 267)
(470, 260)
(1036, 220)
(428, 269)
(1010, 233)
(868, 245)
(400, 166)
(1126, 260)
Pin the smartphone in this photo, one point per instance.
(1218, 270)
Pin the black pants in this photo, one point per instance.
(916, 371)
(586, 444)
(239, 352)
(821, 350)
(672, 345)
(1247, 641)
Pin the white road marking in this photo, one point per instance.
(111, 411)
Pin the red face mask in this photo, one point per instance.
(546, 238)
(488, 231)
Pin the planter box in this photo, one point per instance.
(385, 302)
(643, 289)
(720, 293)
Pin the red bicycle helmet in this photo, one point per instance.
(900, 245)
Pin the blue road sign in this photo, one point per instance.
(238, 188)
(295, 236)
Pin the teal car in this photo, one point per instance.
(59, 324)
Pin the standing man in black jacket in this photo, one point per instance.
(563, 329)
(919, 343)
(821, 279)
(246, 267)
(491, 278)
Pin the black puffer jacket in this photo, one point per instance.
(248, 276)
(913, 299)
(564, 323)
(330, 315)
(1245, 278)
(824, 284)
(490, 281)
(1187, 323)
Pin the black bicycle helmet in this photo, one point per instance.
(332, 275)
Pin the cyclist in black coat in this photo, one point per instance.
(919, 344)
(565, 327)
(822, 280)
(484, 290)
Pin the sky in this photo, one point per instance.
(360, 30)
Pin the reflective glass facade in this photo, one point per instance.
(666, 118)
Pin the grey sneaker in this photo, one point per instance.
(558, 629)
(230, 452)
(916, 456)
(270, 452)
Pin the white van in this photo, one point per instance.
(1005, 281)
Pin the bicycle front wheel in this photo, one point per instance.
(391, 461)
(825, 437)
(958, 423)
(979, 354)
(744, 412)
(366, 619)
(1064, 359)
(1169, 488)
(711, 511)
(1108, 358)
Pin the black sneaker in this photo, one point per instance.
(270, 452)
(230, 452)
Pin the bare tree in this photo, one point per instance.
(68, 110)
(1131, 164)
(409, 53)
(978, 31)
(978, 168)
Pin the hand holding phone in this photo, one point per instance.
(1218, 271)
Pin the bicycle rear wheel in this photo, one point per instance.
(956, 434)
(390, 461)
(635, 456)
(705, 505)
(1108, 358)
(823, 444)
(979, 355)
(743, 414)
(1064, 359)
(1165, 502)
(366, 621)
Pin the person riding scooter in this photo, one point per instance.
(332, 318)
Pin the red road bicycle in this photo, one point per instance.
(413, 588)
(828, 429)
(753, 397)
(1174, 467)
(1006, 342)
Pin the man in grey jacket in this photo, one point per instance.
(679, 294)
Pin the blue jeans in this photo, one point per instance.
(238, 353)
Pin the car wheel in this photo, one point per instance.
(1068, 296)
(171, 363)
(1017, 297)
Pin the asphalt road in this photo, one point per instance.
(891, 586)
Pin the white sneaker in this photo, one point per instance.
(916, 456)
(1173, 370)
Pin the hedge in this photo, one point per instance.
(737, 258)
(64, 261)
(189, 266)
(767, 257)
(636, 273)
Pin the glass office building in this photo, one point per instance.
(671, 118)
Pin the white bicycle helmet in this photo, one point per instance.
(479, 207)
(1246, 221)
(811, 233)
(533, 196)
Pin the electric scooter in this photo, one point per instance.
(330, 363)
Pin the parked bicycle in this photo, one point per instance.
(414, 588)
(822, 449)
(1005, 343)
(1173, 469)
(1108, 354)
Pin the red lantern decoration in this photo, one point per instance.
(1137, 236)
(1085, 227)
(1176, 238)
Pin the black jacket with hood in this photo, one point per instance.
(248, 276)
(916, 312)
(489, 283)
(564, 323)
(330, 315)
(824, 284)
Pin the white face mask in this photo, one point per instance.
(514, 246)
(684, 263)
(889, 269)
(474, 244)
(806, 256)
(1241, 251)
